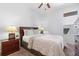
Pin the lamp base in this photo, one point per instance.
(42, 32)
(11, 36)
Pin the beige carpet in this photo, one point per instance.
(22, 52)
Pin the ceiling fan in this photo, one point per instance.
(48, 5)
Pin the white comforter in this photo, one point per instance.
(47, 44)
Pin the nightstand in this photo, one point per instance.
(10, 46)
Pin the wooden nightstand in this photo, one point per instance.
(10, 46)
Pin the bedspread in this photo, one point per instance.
(47, 45)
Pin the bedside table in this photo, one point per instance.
(10, 46)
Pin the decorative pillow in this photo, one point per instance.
(46, 32)
(28, 32)
(36, 32)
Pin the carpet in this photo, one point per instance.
(22, 52)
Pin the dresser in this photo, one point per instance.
(10, 46)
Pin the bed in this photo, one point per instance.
(40, 43)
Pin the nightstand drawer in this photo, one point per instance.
(10, 46)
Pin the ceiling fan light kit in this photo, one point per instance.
(48, 5)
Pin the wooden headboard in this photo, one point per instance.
(25, 28)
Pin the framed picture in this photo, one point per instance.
(11, 36)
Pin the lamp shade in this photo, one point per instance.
(11, 29)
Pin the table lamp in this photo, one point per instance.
(11, 30)
(41, 29)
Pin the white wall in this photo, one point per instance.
(55, 24)
(14, 14)
(31, 15)
(49, 19)
(52, 19)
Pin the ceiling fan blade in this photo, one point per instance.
(48, 5)
(40, 5)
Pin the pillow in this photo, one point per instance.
(46, 32)
(28, 32)
(36, 32)
(26, 38)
